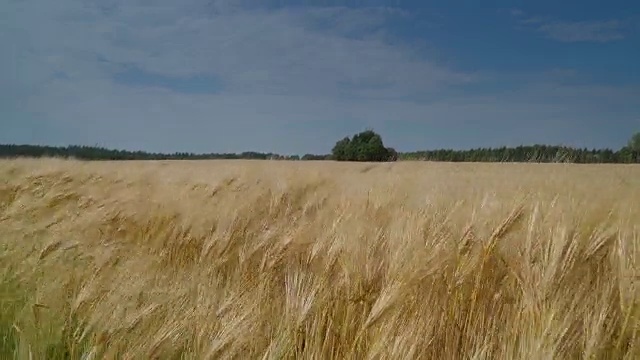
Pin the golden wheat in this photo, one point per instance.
(273, 260)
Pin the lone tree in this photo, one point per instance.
(365, 146)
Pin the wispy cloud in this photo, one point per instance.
(583, 31)
(516, 12)
(600, 31)
(320, 52)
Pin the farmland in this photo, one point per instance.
(266, 259)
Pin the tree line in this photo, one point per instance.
(534, 153)
(364, 146)
(101, 153)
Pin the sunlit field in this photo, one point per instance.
(318, 260)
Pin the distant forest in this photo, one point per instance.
(534, 153)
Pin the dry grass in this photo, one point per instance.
(273, 260)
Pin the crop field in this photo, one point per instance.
(318, 260)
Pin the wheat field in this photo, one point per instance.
(318, 260)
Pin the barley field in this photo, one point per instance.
(318, 260)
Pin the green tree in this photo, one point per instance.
(364, 146)
(341, 151)
(632, 150)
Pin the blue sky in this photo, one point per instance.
(296, 76)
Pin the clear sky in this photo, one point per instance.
(296, 76)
